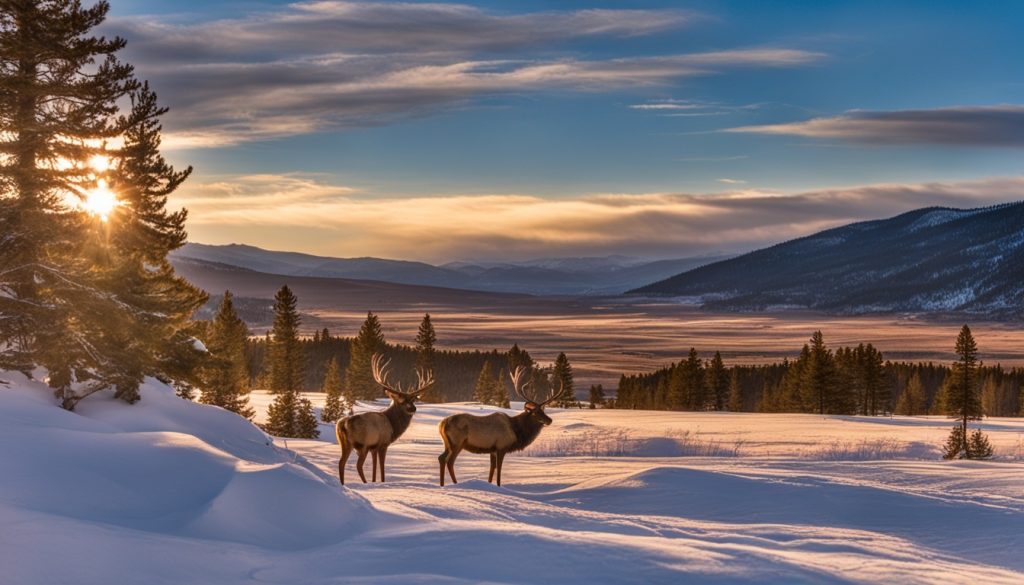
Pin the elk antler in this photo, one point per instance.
(520, 388)
(424, 380)
(380, 375)
(379, 366)
(555, 395)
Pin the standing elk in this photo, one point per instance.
(373, 432)
(495, 434)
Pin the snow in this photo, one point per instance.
(168, 491)
(199, 346)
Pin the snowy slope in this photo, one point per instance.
(171, 492)
(928, 260)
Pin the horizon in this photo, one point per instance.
(527, 130)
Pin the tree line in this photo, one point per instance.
(846, 380)
(287, 364)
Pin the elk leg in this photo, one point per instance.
(373, 457)
(451, 465)
(490, 474)
(359, 464)
(381, 454)
(441, 459)
(346, 450)
(501, 459)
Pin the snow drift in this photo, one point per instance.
(163, 465)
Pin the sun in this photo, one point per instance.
(100, 201)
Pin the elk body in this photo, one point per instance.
(373, 432)
(495, 434)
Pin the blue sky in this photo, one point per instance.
(524, 129)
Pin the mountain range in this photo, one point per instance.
(610, 275)
(933, 260)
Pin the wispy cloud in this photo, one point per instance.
(308, 28)
(321, 66)
(997, 125)
(732, 181)
(300, 212)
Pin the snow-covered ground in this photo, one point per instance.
(171, 492)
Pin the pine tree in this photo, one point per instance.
(735, 392)
(717, 383)
(226, 374)
(819, 377)
(912, 401)
(334, 408)
(91, 300)
(359, 384)
(694, 393)
(156, 336)
(962, 400)
(563, 378)
(305, 420)
(978, 446)
(596, 395)
(425, 340)
(499, 394)
(288, 415)
(483, 392)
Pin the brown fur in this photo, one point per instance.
(495, 434)
(373, 432)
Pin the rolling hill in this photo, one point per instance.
(932, 260)
(609, 275)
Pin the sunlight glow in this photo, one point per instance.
(100, 201)
(99, 163)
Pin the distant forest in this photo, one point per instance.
(848, 380)
(455, 372)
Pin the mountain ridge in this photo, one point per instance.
(933, 259)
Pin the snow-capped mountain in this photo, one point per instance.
(927, 260)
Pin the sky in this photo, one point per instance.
(515, 130)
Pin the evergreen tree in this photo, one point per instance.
(717, 379)
(425, 340)
(226, 374)
(978, 446)
(962, 400)
(735, 392)
(694, 394)
(155, 335)
(563, 378)
(287, 366)
(912, 401)
(289, 413)
(305, 420)
(819, 377)
(359, 383)
(334, 407)
(596, 397)
(91, 300)
(485, 391)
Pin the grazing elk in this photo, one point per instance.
(495, 434)
(373, 432)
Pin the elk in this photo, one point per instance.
(495, 434)
(373, 432)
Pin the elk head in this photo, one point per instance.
(533, 407)
(403, 399)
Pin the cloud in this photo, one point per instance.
(304, 213)
(997, 126)
(322, 66)
(384, 27)
(732, 181)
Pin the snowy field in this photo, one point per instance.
(171, 492)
